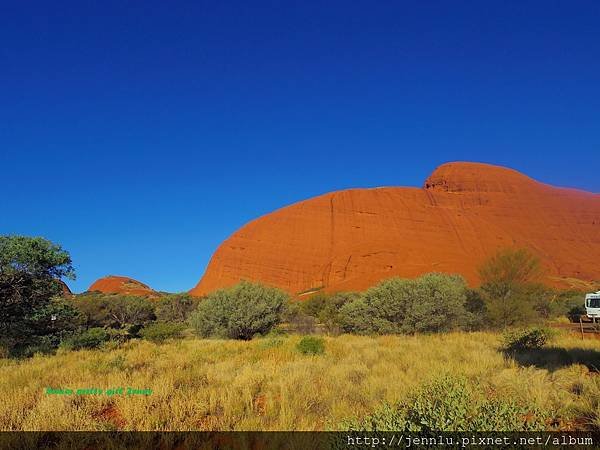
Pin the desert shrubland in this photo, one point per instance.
(267, 384)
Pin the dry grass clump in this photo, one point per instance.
(267, 384)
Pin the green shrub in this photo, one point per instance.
(572, 304)
(509, 269)
(529, 339)
(311, 345)
(514, 311)
(176, 307)
(115, 311)
(118, 336)
(432, 303)
(451, 403)
(92, 338)
(575, 313)
(314, 304)
(239, 312)
(161, 331)
(513, 295)
(385, 418)
(330, 313)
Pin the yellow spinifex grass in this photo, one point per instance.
(266, 384)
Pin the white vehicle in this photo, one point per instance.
(592, 305)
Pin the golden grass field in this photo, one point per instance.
(266, 384)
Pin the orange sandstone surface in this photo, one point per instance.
(114, 284)
(464, 213)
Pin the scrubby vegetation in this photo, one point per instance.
(240, 312)
(452, 403)
(176, 307)
(310, 345)
(161, 331)
(431, 303)
(31, 317)
(497, 371)
(211, 384)
(91, 338)
(529, 339)
(115, 311)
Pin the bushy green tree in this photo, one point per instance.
(512, 291)
(322, 306)
(571, 304)
(434, 302)
(528, 339)
(175, 307)
(512, 311)
(115, 311)
(30, 268)
(508, 270)
(476, 310)
(161, 331)
(314, 304)
(239, 312)
(90, 338)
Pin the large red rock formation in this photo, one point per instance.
(464, 213)
(114, 284)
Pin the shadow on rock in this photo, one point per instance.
(554, 358)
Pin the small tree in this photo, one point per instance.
(507, 270)
(512, 311)
(175, 308)
(513, 295)
(330, 313)
(239, 312)
(161, 331)
(115, 311)
(314, 304)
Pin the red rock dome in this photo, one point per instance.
(464, 213)
(114, 284)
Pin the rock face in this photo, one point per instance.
(464, 213)
(114, 284)
(65, 290)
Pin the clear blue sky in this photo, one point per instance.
(139, 135)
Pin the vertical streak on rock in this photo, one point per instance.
(327, 276)
(346, 266)
(332, 228)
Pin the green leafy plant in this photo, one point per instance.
(175, 307)
(528, 339)
(239, 312)
(311, 345)
(451, 403)
(91, 338)
(431, 303)
(161, 331)
(115, 311)
(30, 317)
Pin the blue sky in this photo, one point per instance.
(139, 135)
